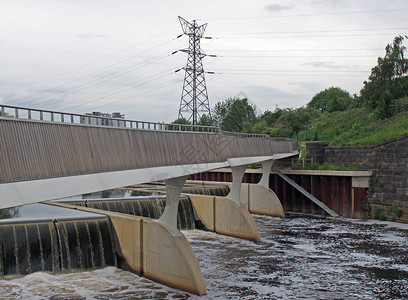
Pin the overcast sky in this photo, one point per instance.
(100, 55)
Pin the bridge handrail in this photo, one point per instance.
(246, 135)
(65, 117)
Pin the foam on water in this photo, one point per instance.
(107, 283)
(299, 257)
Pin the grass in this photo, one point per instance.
(356, 127)
(325, 167)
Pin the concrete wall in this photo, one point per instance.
(388, 191)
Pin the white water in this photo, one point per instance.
(299, 257)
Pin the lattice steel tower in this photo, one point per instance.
(194, 97)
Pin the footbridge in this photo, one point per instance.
(46, 155)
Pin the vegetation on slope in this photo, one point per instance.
(355, 127)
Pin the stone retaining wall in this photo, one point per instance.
(388, 192)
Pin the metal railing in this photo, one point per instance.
(246, 135)
(72, 118)
(64, 117)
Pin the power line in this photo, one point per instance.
(302, 56)
(130, 86)
(98, 60)
(89, 74)
(152, 90)
(282, 70)
(287, 74)
(98, 81)
(309, 15)
(302, 36)
(299, 50)
(316, 31)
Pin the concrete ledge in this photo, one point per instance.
(223, 216)
(150, 249)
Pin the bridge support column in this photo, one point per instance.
(168, 256)
(266, 171)
(174, 187)
(258, 198)
(235, 193)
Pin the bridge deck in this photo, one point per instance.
(44, 159)
(31, 150)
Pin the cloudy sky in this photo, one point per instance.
(116, 55)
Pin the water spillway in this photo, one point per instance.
(148, 189)
(60, 244)
(216, 190)
(145, 206)
(71, 240)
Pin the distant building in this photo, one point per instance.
(115, 119)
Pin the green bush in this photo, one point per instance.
(378, 213)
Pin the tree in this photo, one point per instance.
(233, 113)
(388, 80)
(206, 121)
(181, 121)
(271, 117)
(287, 122)
(331, 99)
(292, 121)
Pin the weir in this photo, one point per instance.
(121, 232)
(149, 248)
(146, 206)
(65, 244)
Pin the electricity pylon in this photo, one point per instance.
(194, 97)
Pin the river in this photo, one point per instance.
(299, 257)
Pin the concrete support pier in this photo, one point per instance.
(255, 197)
(261, 199)
(221, 215)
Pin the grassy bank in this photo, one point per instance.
(355, 127)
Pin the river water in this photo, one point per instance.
(299, 257)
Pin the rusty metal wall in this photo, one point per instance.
(32, 150)
(334, 191)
